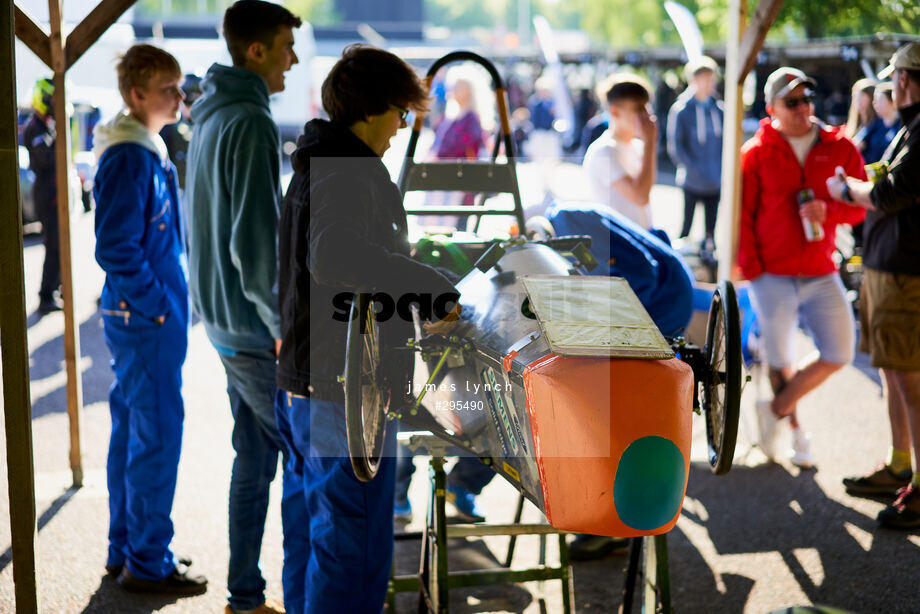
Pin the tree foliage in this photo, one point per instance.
(470, 14)
(492, 14)
(163, 8)
(850, 17)
(317, 12)
(618, 23)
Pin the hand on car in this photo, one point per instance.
(442, 327)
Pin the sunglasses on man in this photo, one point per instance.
(403, 113)
(794, 103)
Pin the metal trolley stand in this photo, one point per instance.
(434, 580)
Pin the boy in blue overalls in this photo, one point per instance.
(145, 309)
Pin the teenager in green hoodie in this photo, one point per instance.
(232, 199)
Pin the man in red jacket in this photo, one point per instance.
(791, 269)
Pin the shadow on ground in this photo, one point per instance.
(109, 597)
(463, 555)
(47, 361)
(771, 510)
(50, 512)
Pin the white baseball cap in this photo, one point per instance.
(783, 80)
(907, 56)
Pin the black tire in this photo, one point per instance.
(367, 393)
(721, 385)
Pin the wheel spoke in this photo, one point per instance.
(368, 361)
(366, 395)
(716, 379)
(717, 419)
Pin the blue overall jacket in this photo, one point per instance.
(139, 231)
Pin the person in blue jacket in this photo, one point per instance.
(233, 194)
(695, 143)
(145, 309)
(874, 138)
(655, 271)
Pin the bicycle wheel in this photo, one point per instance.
(721, 394)
(367, 392)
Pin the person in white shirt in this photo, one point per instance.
(621, 163)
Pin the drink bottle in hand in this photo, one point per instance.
(813, 230)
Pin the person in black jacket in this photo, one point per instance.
(342, 228)
(890, 295)
(38, 137)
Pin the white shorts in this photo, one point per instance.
(818, 303)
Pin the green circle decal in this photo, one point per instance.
(649, 484)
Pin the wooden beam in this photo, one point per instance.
(756, 33)
(33, 36)
(93, 25)
(730, 208)
(62, 158)
(14, 351)
(740, 55)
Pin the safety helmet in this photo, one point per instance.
(42, 96)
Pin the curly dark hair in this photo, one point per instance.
(366, 81)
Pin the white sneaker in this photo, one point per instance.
(769, 428)
(800, 452)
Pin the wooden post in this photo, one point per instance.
(33, 36)
(730, 214)
(743, 44)
(765, 14)
(92, 27)
(17, 408)
(59, 56)
(62, 151)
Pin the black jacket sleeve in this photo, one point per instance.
(345, 250)
(40, 144)
(900, 189)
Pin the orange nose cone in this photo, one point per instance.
(611, 441)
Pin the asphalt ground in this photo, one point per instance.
(765, 536)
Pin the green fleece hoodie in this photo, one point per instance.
(233, 194)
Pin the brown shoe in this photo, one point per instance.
(882, 483)
(270, 606)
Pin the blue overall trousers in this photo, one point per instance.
(338, 538)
